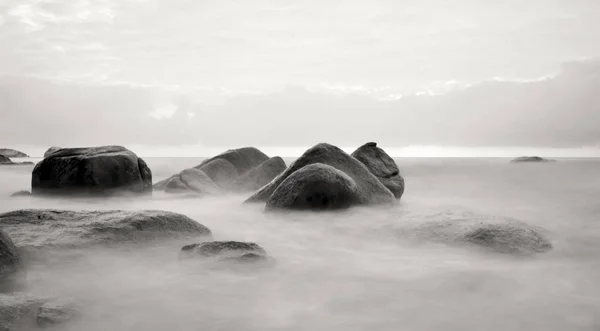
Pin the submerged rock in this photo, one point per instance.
(8, 152)
(261, 175)
(382, 166)
(21, 311)
(21, 194)
(45, 228)
(531, 159)
(51, 150)
(243, 159)
(500, 235)
(192, 181)
(315, 187)
(10, 263)
(91, 171)
(234, 251)
(369, 190)
(221, 172)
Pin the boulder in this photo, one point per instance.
(10, 263)
(234, 251)
(91, 171)
(192, 181)
(21, 194)
(221, 172)
(382, 166)
(370, 190)
(316, 186)
(44, 228)
(5, 160)
(490, 233)
(531, 159)
(243, 159)
(12, 153)
(21, 311)
(261, 175)
(51, 150)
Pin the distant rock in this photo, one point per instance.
(370, 190)
(91, 171)
(7, 161)
(21, 194)
(234, 251)
(531, 159)
(51, 150)
(495, 234)
(243, 159)
(10, 263)
(222, 173)
(261, 175)
(12, 153)
(21, 311)
(192, 181)
(41, 228)
(382, 166)
(315, 187)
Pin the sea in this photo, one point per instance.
(349, 270)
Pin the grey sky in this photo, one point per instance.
(216, 68)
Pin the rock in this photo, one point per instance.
(51, 150)
(316, 186)
(91, 171)
(21, 194)
(10, 264)
(496, 234)
(531, 159)
(192, 181)
(221, 172)
(21, 311)
(44, 228)
(370, 191)
(243, 159)
(382, 166)
(162, 185)
(12, 153)
(5, 160)
(261, 175)
(234, 251)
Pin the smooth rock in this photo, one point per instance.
(192, 181)
(21, 194)
(234, 251)
(51, 150)
(221, 172)
(382, 166)
(243, 159)
(531, 159)
(8, 152)
(261, 175)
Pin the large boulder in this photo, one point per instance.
(261, 175)
(221, 171)
(234, 251)
(316, 186)
(21, 311)
(369, 191)
(40, 228)
(382, 166)
(51, 150)
(10, 263)
(490, 233)
(243, 159)
(532, 159)
(12, 153)
(91, 171)
(192, 181)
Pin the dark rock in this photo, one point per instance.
(91, 171)
(225, 251)
(40, 228)
(369, 189)
(21, 194)
(192, 181)
(261, 175)
(5, 160)
(10, 263)
(531, 159)
(221, 172)
(382, 166)
(500, 235)
(243, 159)
(315, 187)
(51, 150)
(12, 153)
(21, 311)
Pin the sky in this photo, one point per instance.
(282, 73)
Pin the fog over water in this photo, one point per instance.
(348, 270)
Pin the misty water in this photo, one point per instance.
(349, 270)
